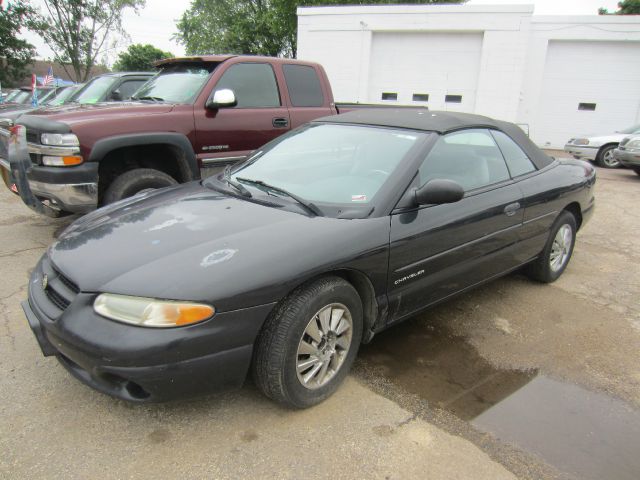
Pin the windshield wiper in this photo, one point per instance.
(238, 186)
(306, 204)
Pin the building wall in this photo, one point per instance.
(510, 82)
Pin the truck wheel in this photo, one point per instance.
(134, 181)
(308, 343)
(557, 252)
(605, 157)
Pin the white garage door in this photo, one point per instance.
(409, 68)
(588, 88)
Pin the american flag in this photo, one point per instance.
(48, 78)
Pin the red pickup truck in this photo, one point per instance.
(197, 112)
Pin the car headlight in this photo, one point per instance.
(581, 141)
(633, 144)
(149, 312)
(60, 139)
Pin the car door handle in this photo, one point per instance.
(511, 209)
(280, 122)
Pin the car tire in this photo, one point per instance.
(557, 252)
(297, 339)
(605, 157)
(637, 170)
(134, 181)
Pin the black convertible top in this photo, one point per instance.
(440, 122)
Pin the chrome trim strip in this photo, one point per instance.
(215, 160)
(52, 150)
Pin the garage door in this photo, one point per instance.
(588, 87)
(435, 69)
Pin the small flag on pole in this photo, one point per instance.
(48, 78)
(34, 90)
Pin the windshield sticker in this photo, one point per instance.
(403, 136)
(358, 198)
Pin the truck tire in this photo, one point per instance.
(134, 181)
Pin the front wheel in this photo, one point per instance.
(309, 343)
(606, 159)
(557, 252)
(134, 181)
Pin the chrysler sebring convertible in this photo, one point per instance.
(283, 265)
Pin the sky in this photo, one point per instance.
(155, 23)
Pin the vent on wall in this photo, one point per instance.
(389, 96)
(587, 106)
(420, 97)
(453, 98)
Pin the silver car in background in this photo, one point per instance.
(599, 148)
(628, 153)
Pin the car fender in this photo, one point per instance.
(188, 162)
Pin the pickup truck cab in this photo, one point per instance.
(202, 112)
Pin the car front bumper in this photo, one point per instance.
(139, 364)
(628, 158)
(582, 152)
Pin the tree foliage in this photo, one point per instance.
(259, 27)
(625, 7)
(139, 58)
(15, 54)
(78, 30)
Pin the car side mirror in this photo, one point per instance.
(222, 99)
(116, 95)
(438, 191)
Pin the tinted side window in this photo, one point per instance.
(253, 83)
(516, 159)
(469, 157)
(129, 87)
(303, 85)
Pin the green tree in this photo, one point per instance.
(259, 27)
(625, 7)
(15, 54)
(78, 30)
(139, 58)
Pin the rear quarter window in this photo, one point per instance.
(517, 160)
(303, 85)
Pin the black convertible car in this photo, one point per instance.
(286, 263)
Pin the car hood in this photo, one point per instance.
(73, 112)
(14, 113)
(192, 243)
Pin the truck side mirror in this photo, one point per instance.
(221, 99)
(438, 191)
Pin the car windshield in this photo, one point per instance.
(64, 95)
(634, 129)
(95, 90)
(11, 95)
(328, 163)
(179, 83)
(22, 97)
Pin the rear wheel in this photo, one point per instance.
(134, 181)
(557, 252)
(309, 342)
(605, 157)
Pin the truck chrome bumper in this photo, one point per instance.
(71, 197)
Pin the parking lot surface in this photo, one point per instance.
(513, 380)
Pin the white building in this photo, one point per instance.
(556, 75)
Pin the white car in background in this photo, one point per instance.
(599, 148)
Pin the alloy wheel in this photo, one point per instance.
(324, 345)
(561, 248)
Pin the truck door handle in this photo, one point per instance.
(511, 209)
(280, 122)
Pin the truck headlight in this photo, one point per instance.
(149, 312)
(60, 139)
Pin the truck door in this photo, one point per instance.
(227, 135)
